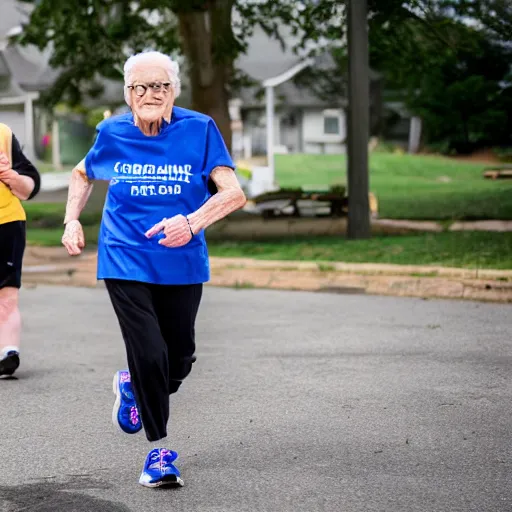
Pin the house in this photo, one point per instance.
(302, 121)
(24, 73)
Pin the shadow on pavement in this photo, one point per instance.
(56, 497)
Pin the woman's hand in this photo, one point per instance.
(5, 165)
(20, 186)
(6, 173)
(73, 238)
(176, 230)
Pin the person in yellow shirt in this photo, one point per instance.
(19, 180)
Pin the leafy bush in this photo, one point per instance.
(504, 154)
(245, 173)
(384, 147)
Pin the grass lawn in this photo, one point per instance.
(50, 237)
(461, 249)
(51, 215)
(45, 223)
(409, 186)
(44, 167)
(458, 249)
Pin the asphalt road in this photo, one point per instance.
(298, 402)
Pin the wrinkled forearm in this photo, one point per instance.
(21, 186)
(216, 208)
(229, 198)
(80, 189)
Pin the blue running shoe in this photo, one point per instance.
(159, 469)
(125, 414)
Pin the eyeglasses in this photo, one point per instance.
(141, 89)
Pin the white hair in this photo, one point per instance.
(156, 59)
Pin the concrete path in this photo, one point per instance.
(51, 181)
(298, 402)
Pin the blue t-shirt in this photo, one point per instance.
(152, 178)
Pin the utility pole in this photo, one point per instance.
(358, 120)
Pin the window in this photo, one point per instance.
(331, 125)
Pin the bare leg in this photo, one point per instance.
(10, 318)
(10, 330)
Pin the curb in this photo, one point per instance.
(329, 277)
(400, 286)
(372, 279)
(361, 268)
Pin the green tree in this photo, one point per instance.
(495, 16)
(91, 39)
(464, 101)
(451, 67)
(448, 60)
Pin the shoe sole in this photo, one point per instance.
(9, 365)
(168, 481)
(117, 406)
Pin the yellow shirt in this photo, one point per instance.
(10, 206)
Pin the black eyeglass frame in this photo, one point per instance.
(141, 89)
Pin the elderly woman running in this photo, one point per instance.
(171, 176)
(19, 180)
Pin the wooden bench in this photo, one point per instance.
(497, 174)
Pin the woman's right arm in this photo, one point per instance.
(80, 188)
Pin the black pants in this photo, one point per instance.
(158, 327)
(12, 248)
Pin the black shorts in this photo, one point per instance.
(12, 247)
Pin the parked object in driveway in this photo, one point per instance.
(305, 202)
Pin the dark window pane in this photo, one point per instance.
(332, 125)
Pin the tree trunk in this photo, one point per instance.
(203, 33)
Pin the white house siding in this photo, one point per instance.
(314, 138)
(255, 127)
(306, 134)
(14, 117)
(291, 130)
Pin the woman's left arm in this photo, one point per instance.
(229, 198)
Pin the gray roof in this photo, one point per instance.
(26, 67)
(8, 87)
(286, 95)
(13, 14)
(265, 58)
(29, 74)
(4, 68)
